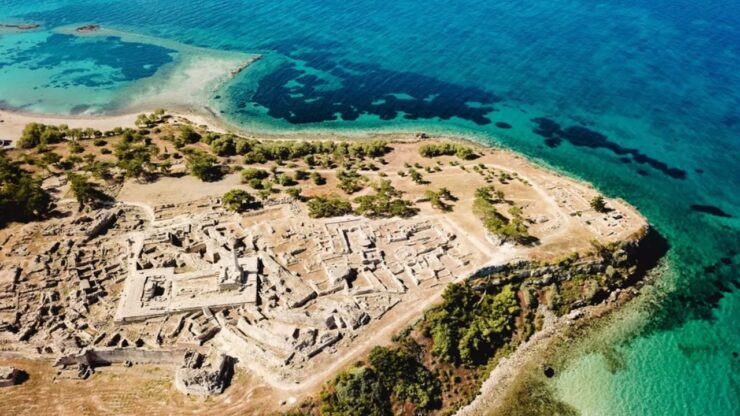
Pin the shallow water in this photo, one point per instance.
(640, 99)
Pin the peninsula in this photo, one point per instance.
(394, 274)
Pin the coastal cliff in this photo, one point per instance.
(465, 353)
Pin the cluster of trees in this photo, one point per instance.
(256, 151)
(350, 181)
(325, 206)
(394, 379)
(513, 229)
(468, 327)
(21, 195)
(447, 149)
(87, 193)
(134, 153)
(150, 120)
(385, 202)
(38, 134)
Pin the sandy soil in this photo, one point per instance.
(569, 226)
(12, 122)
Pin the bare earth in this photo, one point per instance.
(297, 255)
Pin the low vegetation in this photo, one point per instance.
(438, 364)
(385, 202)
(447, 149)
(440, 199)
(238, 200)
(203, 165)
(328, 206)
(87, 194)
(21, 196)
(599, 204)
(508, 229)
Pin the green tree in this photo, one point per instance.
(317, 179)
(35, 134)
(401, 373)
(188, 135)
(356, 392)
(599, 204)
(328, 206)
(85, 192)
(238, 200)
(294, 192)
(21, 196)
(249, 174)
(202, 165)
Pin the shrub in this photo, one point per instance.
(75, 147)
(285, 180)
(238, 200)
(21, 196)
(35, 134)
(447, 149)
(468, 326)
(301, 175)
(188, 135)
(85, 192)
(293, 192)
(508, 229)
(248, 174)
(599, 204)
(356, 392)
(317, 178)
(224, 146)
(408, 380)
(350, 181)
(203, 166)
(328, 206)
(386, 202)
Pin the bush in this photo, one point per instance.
(497, 224)
(21, 195)
(447, 149)
(203, 166)
(350, 181)
(356, 392)
(86, 193)
(224, 146)
(35, 134)
(328, 206)
(301, 175)
(249, 174)
(401, 374)
(599, 204)
(386, 202)
(100, 142)
(285, 180)
(238, 200)
(317, 178)
(468, 326)
(188, 135)
(75, 147)
(294, 192)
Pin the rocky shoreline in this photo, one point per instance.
(494, 396)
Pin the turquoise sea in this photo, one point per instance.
(641, 98)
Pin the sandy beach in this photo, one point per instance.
(12, 122)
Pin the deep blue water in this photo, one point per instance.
(640, 98)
